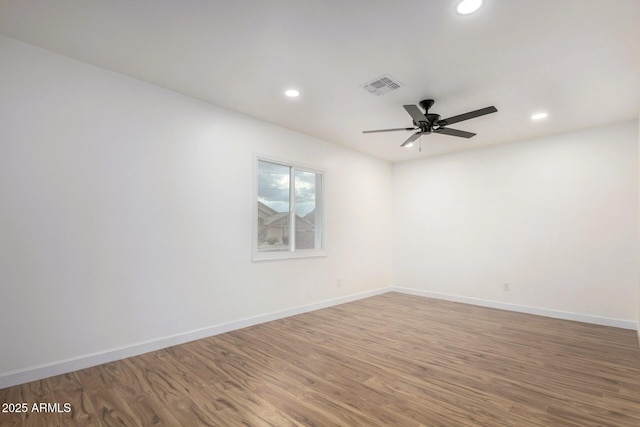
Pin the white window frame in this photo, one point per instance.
(320, 213)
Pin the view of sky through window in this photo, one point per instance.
(273, 190)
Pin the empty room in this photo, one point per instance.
(320, 213)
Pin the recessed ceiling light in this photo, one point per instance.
(292, 93)
(466, 7)
(539, 116)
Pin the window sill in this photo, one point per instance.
(272, 256)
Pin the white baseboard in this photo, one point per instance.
(35, 373)
(598, 320)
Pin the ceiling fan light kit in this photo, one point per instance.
(427, 123)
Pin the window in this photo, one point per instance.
(289, 210)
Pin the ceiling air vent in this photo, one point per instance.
(382, 85)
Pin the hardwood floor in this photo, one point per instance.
(389, 360)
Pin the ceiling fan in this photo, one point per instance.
(426, 123)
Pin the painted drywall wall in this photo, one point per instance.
(126, 213)
(556, 218)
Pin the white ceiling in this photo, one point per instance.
(577, 59)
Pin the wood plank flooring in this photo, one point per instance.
(389, 360)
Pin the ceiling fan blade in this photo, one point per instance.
(411, 139)
(387, 130)
(467, 116)
(454, 132)
(417, 115)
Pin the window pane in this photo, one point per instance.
(308, 187)
(273, 207)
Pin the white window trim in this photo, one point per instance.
(292, 253)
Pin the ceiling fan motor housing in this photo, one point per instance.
(433, 118)
(426, 104)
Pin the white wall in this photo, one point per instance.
(126, 213)
(555, 217)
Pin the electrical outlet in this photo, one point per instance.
(338, 283)
(506, 287)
